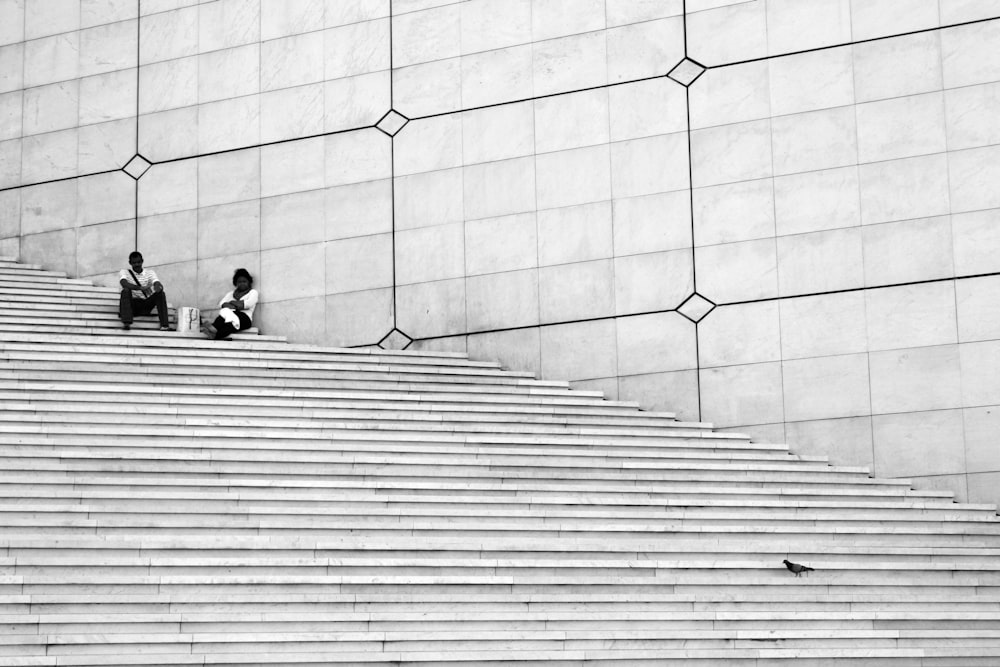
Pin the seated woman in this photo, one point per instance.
(236, 308)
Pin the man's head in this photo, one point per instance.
(135, 261)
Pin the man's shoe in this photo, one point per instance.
(126, 327)
(165, 329)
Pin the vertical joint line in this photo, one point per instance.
(392, 196)
(690, 160)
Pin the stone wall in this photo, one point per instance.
(782, 217)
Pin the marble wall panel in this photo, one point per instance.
(820, 261)
(742, 395)
(728, 34)
(912, 250)
(731, 153)
(910, 443)
(432, 309)
(652, 223)
(227, 23)
(49, 207)
(100, 248)
(355, 101)
(159, 138)
(10, 163)
(487, 25)
(652, 281)
(571, 121)
(734, 212)
(498, 133)
(359, 209)
(169, 187)
(104, 197)
(817, 200)
(506, 243)
(911, 316)
(795, 25)
(826, 387)
(977, 310)
(105, 146)
(980, 383)
(674, 391)
(52, 59)
(739, 335)
(970, 116)
(814, 140)
(649, 165)
(655, 343)
(846, 441)
(968, 56)
(502, 300)
(229, 124)
(11, 67)
(229, 177)
(901, 127)
(49, 156)
(890, 68)
(829, 324)
(916, 379)
(811, 81)
(580, 351)
(170, 238)
(729, 95)
(292, 166)
(358, 264)
(430, 253)
(644, 49)
(10, 215)
(518, 349)
(915, 187)
(302, 320)
(356, 48)
(646, 108)
(499, 188)
(572, 177)
(358, 318)
(12, 28)
(582, 290)
(428, 145)
(878, 19)
(743, 271)
(106, 97)
(229, 229)
(981, 452)
(294, 272)
(52, 107)
(575, 234)
(298, 218)
(290, 17)
(973, 173)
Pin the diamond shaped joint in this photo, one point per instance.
(686, 72)
(395, 340)
(392, 122)
(696, 307)
(137, 166)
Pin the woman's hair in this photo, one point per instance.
(242, 273)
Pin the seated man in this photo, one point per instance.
(142, 291)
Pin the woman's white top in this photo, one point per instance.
(249, 301)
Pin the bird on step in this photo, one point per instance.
(796, 568)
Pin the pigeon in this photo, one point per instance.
(796, 568)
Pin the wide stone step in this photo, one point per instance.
(44, 282)
(136, 333)
(125, 404)
(81, 397)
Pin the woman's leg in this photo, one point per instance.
(223, 329)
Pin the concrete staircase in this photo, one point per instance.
(176, 501)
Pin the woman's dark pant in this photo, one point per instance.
(224, 329)
(129, 306)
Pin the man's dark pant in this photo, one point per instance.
(129, 306)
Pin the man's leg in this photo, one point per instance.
(159, 300)
(125, 308)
